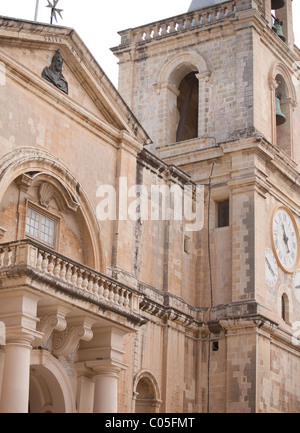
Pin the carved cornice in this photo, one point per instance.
(169, 314)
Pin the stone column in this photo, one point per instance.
(18, 312)
(15, 386)
(106, 386)
(101, 358)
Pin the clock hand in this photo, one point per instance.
(285, 238)
(270, 267)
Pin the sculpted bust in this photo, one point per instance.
(53, 73)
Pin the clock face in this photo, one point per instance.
(271, 269)
(285, 239)
(296, 284)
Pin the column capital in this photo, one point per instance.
(106, 366)
(18, 313)
(205, 76)
(21, 335)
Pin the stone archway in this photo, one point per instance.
(38, 165)
(146, 393)
(172, 86)
(282, 88)
(50, 387)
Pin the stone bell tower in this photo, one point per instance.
(211, 60)
(217, 89)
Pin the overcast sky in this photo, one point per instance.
(97, 22)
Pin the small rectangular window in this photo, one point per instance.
(223, 213)
(215, 346)
(40, 227)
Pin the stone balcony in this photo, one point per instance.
(55, 276)
(174, 25)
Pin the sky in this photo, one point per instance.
(98, 22)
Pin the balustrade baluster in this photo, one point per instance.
(63, 270)
(85, 281)
(134, 37)
(220, 14)
(7, 257)
(122, 299)
(57, 268)
(39, 261)
(164, 29)
(106, 289)
(69, 273)
(196, 20)
(74, 275)
(101, 288)
(140, 36)
(45, 262)
(188, 23)
(96, 287)
(117, 295)
(148, 33)
(180, 24)
(172, 25)
(51, 264)
(127, 301)
(90, 285)
(156, 31)
(111, 293)
(79, 278)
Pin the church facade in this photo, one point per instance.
(149, 257)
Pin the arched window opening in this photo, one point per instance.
(33, 179)
(283, 115)
(187, 104)
(146, 397)
(40, 208)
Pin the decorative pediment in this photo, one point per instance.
(49, 188)
(27, 50)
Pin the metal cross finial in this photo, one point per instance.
(54, 10)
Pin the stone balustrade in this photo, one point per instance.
(177, 24)
(86, 281)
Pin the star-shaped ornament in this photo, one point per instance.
(54, 10)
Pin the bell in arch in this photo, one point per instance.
(280, 117)
(277, 4)
(277, 27)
